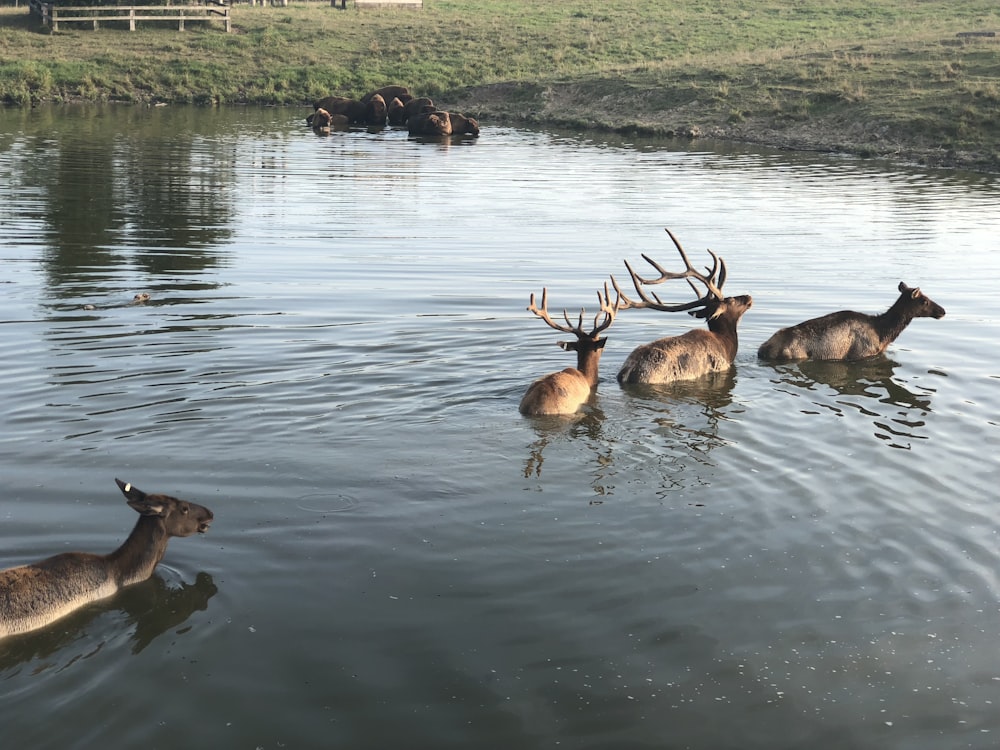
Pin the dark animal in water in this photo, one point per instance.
(849, 335)
(697, 352)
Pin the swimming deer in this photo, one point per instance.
(849, 335)
(566, 391)
(35, 595)
(697, 352)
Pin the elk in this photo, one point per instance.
(33, 596)
(849, 335)
(566, 391)
(697, 352)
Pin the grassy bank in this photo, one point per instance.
(875, 77)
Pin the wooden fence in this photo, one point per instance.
(52, 15)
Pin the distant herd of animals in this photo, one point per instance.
(389, 105)
(839, 336)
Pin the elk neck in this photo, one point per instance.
(891, 323)
(588, 357)
(724, 326)
(138, 555)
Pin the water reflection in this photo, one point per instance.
(152, 607)
(585, 428)
(861, 386)
(103, 182)
(688, 411)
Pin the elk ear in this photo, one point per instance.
(139, 501)
(915, 293)
(904, 289)
(129, 491)
(564, 345)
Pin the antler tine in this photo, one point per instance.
(713, 281)
(623, 302)
(717, 263)
(609, 310)
(578, 329)
(722, 274)
(652, 300)
(543, 313)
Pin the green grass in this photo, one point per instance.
(872, 76)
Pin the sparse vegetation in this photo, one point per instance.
(870, 76)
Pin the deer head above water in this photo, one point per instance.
(566, 391)
(32, 596)
(697, 352)
(849, 335)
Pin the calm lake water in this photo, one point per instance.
(331, 359)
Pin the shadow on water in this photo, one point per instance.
(152, 608)
(868, 387)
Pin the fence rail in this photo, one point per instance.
(52, 15)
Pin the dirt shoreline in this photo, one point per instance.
(841, 133)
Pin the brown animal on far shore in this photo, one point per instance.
(375, 111)
(354, 110)
(394, 112)
(429, 123)
(323, 122)
(417, 106)
(389, 93)
(462, 125)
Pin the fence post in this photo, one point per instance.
(131, 19)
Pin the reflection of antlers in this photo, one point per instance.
(713, 282)
(607, 308)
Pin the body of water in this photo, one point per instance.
(331, 359)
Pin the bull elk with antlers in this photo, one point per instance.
(849, 335)
(566, 391)
(697, 352)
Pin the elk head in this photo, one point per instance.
(920, 304)
(586, 344)
(717, 309)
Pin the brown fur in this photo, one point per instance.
(416, 107)
(341, 105)
(394, 112)
(320, 120)
(35, 595)
(849, 335)
(375, 111)
(462, 125)
(429, 123)
(692, 354)
(564, 392)
(388, 93)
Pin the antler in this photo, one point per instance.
(609, 310)
(713, 282)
